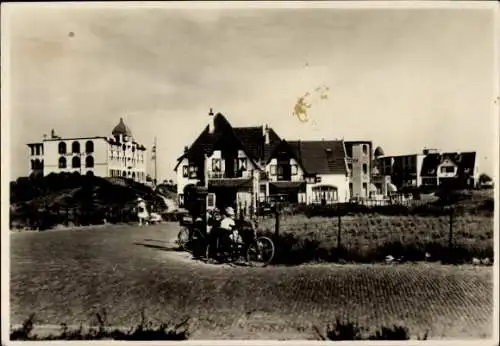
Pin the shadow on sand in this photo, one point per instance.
(173, 248)
(202, 259)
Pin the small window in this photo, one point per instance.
(62, 162)
(89, 147)
(294, 169)
(76, 163)
(447, 169)
(62, 148)
(365, 168)
(89, 161)
(318, 180)
(242, 164)
(280, 170)
(365, 149)
(216, 165)
(75, 147)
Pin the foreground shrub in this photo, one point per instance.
(143, 332)
(348, 330)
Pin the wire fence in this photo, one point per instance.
(410, 237)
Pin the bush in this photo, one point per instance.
(145, 331)
(348, 330)
(43, 202)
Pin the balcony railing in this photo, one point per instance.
(227, 175)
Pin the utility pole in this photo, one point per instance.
(154, 158)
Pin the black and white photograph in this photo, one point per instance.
(225, 171)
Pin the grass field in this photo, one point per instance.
(365, 233)
(68, 276)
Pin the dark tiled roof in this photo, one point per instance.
(249, 139)
(465, 162)
(320, 157)
(253, 141)
(430, 164)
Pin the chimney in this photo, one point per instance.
(186, 148)
(52, 134)
(211, 124)
(266, 135)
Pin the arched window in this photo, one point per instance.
(75, 147)
(133, 175)
(62, 148)
(89, 147)
(76, 163)
(124, 147)
(89, 161)
(124, 174)
(62, 162)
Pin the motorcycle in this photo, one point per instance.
(214, 246)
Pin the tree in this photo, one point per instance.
(484, 178)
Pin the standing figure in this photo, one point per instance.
(142, 212)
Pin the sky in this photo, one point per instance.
(404, 78)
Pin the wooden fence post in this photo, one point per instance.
(450, 240)
(339, 232)
(277, 218)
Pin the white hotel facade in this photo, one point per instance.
(116, 156)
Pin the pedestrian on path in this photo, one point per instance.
(142, 213)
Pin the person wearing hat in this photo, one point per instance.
(225, 229)
(142, 213)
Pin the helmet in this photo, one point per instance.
(229, 211)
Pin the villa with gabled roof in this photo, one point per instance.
(245, 166)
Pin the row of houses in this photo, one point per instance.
(245, 166)
(249, 165)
